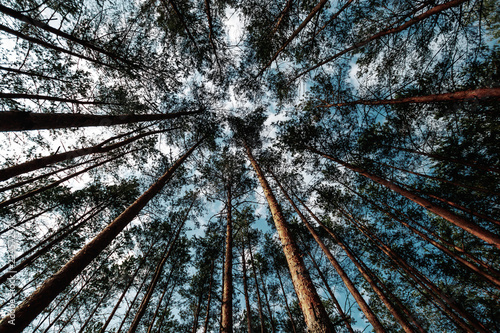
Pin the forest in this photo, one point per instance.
(249, 166)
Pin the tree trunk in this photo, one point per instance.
(29, 219)
(332, 18)
(227, 293)
(25, 121)
(159, 268)
(50, 46)
(41, 298)
(20, 16)
(167, 284)
(264, 289)
(286, 302)
(211, 31)
(259, 301)
(314, 312)
(473, 94)
(468, 226)
(207, 313)
(332, 295)
(313, 12)
(433, 11)
(245, 290)
(182, 21)
(18, 71)
(42, 162)
(32, 193)
(372, 318)
(438, 157)
(129, 284)
(447, 304)
(54, 99)
(282, 16)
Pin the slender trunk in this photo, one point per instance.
(468, 265)
(29, 219)
(439, 157)
(264, 290)
(452, 204)
(23, 288)
(41, 298)
(310, 303)
(227, 293)
(166, 309)
(197, 313)
(433, 11)
(207, 313)
(54, 99)
(167, 284)
(182, 21)
(473, 94)
(259, 301)
(332, 18)
(372, 318)
(91, 315)
(42, 162)
(133, 302)
(286, 302)
(159, 268)
(211, 31)
(442, 180)
(25, 121)
(282, 16)
(32, 193)
(20, 16)
(313, 12)
(459, 221)
(445, 302)
(18, 71)
(45, 248)
(51, 46)
(129, 284)
(245, 290)
(332, 295)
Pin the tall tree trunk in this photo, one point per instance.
(207, 313)
(25, 121)
(264, 290)
(197, 312)
(211, 31)
(51, 46)
(41, 298)
(472, 94)
(45, 248)
(18, 71)
(368, 276)
(445, 302)
(54, 99)
(332, 295)
(166, 309)
(313, 12)
(20, 16)
(468, 265)
(30, 218)
(159, 269)
(42, 162)
(433, 11)
(167, 284)
(257, 291)
(372, 318)
(282, 15)
(227, 293)
(129, 284)
(245, 290)
(439, 157)
(314, 312)
(459, 221)
(34, 192)
(286, 302)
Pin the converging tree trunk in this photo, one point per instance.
(314, 312)
(227, 293)
(41, 298)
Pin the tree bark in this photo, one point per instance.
(54, 99)
(459, 221)
(472, 94)
(41, 298)
(42, 162)
(257, 291)
(433, 11)
(314, 312)
(227, 293)
(372, 318)
(286, 302)
(264, 290)
(313, 12)
(167, 284)
(245, 290)
(27, 121)
(159, 268)
(445, 302)
(207, 314)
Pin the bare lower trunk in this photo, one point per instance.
(207, 313)
(245, 290)
(286, 302)
(315, 315)
(227, 293)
